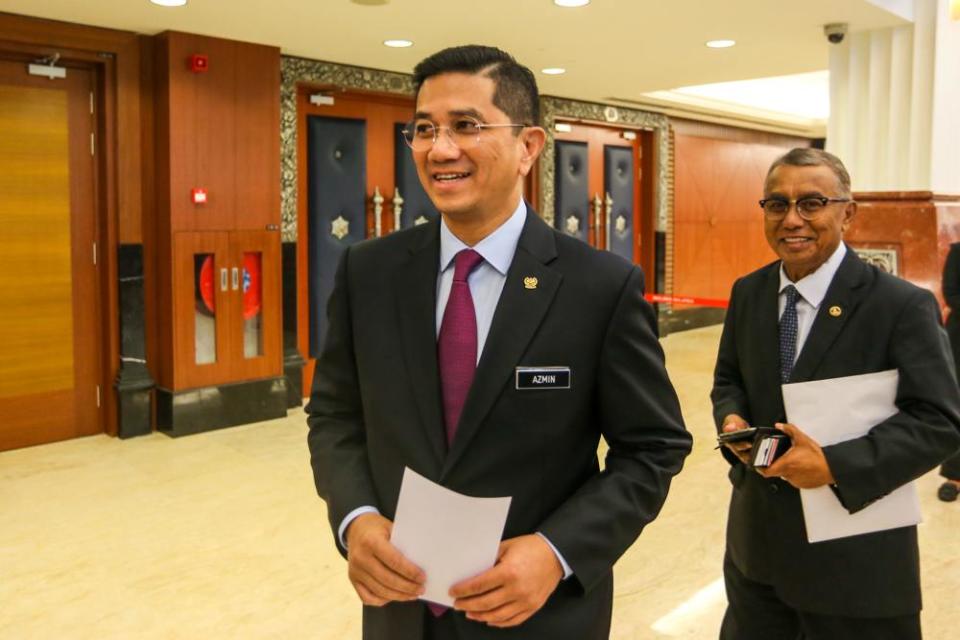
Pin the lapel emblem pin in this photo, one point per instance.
(530, 282)
(835, 311)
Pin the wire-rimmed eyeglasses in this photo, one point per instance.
(421, 134)
(808, 207)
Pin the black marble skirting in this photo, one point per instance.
(672, 321)
(134, 383)
(181, 413)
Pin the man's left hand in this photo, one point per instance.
(526, 573)
(804, 466)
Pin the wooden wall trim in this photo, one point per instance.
(700, 129)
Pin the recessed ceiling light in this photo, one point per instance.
(169, 3)
(554, 71)
(721, 44)
(571, 3)
(398, 44)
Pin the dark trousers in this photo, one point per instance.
(755, 612)
(951, 467)
(441, 628)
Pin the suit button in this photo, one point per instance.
(773, 487)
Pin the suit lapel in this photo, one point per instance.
(416, 287)
(519, 313)
(844, 293)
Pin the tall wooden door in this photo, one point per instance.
(50, 324)
(357, 181)
(603, 190)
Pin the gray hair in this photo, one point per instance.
(809, 157)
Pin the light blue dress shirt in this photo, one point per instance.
(486, 284)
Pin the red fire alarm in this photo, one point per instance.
(199, 63)
(198, 196)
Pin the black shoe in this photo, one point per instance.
(948, 491)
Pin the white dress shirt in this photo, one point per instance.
(486, 284)
(812, 289)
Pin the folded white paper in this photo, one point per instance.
(836, 410)
(450, 536)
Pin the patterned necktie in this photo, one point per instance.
(457, 345)
(457, 351)
(788, 333)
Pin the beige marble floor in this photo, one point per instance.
(220, 535)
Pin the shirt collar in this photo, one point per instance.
(497, 249)
(813, 287)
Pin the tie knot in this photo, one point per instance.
(464, 263)
(792, 294)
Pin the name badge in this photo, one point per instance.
(543, 378)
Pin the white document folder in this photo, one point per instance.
(450, 536)
(836, 410)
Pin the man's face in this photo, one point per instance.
(804, 245)
(482, 182)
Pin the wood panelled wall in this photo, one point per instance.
(717, 233)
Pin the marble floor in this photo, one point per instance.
(220, 535)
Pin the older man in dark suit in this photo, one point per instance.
(820, 312)
(490, 353)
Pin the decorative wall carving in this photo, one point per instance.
(885, 259)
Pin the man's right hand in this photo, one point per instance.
(378, 571)
(733, 422)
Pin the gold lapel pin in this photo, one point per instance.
(530, 282)
(836, 311)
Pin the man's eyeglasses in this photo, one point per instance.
(465, 132)
(807, 208)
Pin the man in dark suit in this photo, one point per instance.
(490, 353)
(820, 312)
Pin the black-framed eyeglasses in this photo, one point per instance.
(465, 132)
(808, 208)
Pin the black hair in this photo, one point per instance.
(516, 91)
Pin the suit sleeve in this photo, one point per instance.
(640, 420)
(925, 430)
(337, 439)
(728, 394)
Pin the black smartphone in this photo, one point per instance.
(741, 435)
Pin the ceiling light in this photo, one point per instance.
(169, 3)
(554, 71)
(398, 44)
(721, 44)
(571, 3)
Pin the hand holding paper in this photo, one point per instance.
(378, 571)
(452, 537)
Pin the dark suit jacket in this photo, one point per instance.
(376, 408)
(885, 323)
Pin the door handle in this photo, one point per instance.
(397, 208)
(235, 276)
(377, 212)
(224, 285)
(597, 206)
(608, 213)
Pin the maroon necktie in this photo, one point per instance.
(457, 351)
(457, 345)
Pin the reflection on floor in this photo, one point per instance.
(220, 535)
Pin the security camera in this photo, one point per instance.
(835, 32)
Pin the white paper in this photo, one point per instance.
(839, 409)
(450, 536)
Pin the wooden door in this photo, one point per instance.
(254, 309)
(50, 326)
(609, 169)
(357, 181)
(202, 331)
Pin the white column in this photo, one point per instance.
(895, 104)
